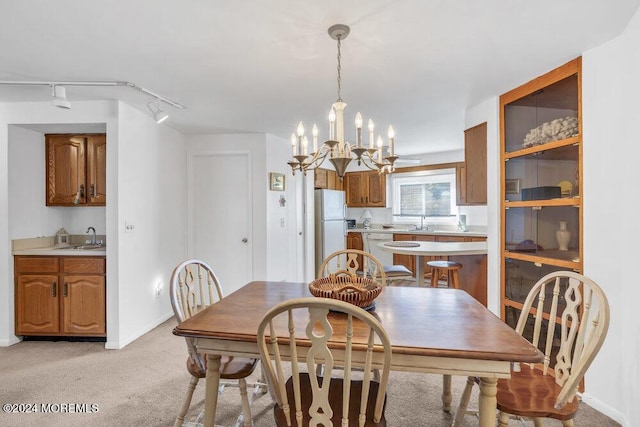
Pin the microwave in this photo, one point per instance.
(351, 223)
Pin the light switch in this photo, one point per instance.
(281, 222)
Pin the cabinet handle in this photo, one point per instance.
(65, 289)
(54, 287)
(92, 190)
(81, 191)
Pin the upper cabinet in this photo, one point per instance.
(326, 179)
(76, 170)
(541, 174)
(471, 176)
(365, 189)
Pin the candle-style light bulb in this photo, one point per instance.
(358, 120)
(300, 129)
(358, 129)
(332, 121)
(293, 143)
(391, 134)
(304, 145)
(314, 132)
(370, 127)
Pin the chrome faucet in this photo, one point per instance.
(93, 238)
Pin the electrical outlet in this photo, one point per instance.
(281, 222)
(128, 227)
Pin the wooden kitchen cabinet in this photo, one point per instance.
(326, 179)
(365, 189)
(76, 170)
(354, 241)
(60, 296)
(471, 176)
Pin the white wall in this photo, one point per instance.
(282, 260)
(610, 91)
(150, 169)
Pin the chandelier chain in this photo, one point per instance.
(339, 70)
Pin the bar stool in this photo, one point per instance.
(450, 267)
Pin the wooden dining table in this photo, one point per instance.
(432, 330)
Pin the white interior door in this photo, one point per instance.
(220, 215)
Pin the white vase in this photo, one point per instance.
(563, 235)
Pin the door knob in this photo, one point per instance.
(245, 240)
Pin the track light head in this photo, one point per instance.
(59, 94)
(158, 114)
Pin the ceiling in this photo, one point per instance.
(264, 65)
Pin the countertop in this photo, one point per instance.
(436, 232)
(44, 246)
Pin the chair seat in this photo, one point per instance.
(397, 270)
(444, 265)
(335, 400)
(231, 368)
(530, 394)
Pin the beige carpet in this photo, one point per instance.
(144, 384)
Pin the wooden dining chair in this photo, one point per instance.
(346, 262)
(311, 331)
(194, 286)
(394, 272)
(566, 315)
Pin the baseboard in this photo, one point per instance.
(117, 345)
(9, 341)
(609, 411)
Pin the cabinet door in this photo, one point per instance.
(320, 178)
(37, 307)
(408, 261)
(65, 170)
(354, 185)
(97, 170)
(461, 184)
(354, 241)
(83, 301)
(376, 190)
(475, 158)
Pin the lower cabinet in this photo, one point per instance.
(60, 296)
(354, 241)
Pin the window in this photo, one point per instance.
(428, 194)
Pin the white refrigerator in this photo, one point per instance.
(330, 224)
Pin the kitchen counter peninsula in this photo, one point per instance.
(424, 232)
(469, 248)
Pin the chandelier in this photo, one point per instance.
(340, 152)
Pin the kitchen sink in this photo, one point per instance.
(83, 247)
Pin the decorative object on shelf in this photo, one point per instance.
(554, 130)
(366, 218)
(276, 181)
(359, 291)
(565, 188)
(528, 246)
(563, 235)
(512, 186)
(339, 151)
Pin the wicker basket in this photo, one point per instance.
(356, 290)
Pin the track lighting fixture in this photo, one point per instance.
(59, 94)
(158, 114)
(60, 100)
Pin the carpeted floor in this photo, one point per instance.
(144, 384)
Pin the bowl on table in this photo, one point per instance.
(359, 291)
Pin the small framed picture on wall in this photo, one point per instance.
(277, 181)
